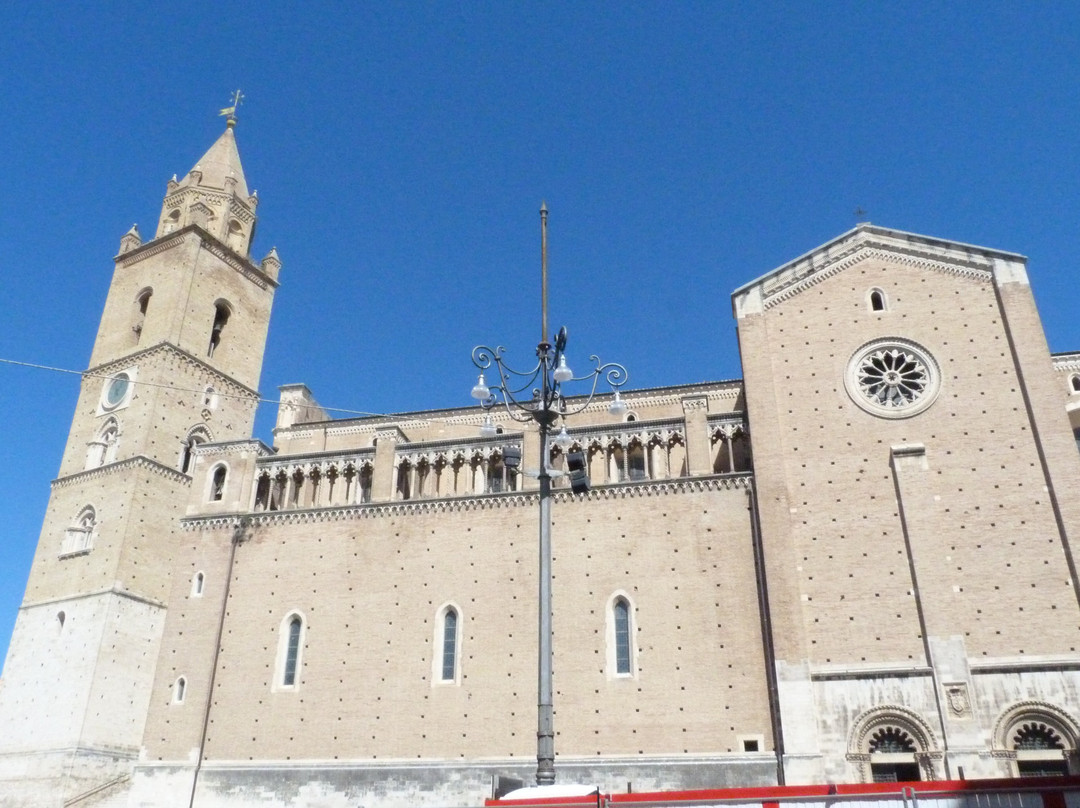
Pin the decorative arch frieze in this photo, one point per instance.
(119, 467)
(725, 482)
(786, 286)
(170, 358)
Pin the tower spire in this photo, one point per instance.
(214, 194)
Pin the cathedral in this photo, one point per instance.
(854, 564)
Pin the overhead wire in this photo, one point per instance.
(177, 388)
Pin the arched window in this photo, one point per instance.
(142, 303)
(296, 487)
(102, 449)
(195, 437)
(1040, 738)
(892, 756)
(404, 489)
(449, 646)
(236, 235)
(179, 690)
(290, 650)
(221, 319)
(217, 484)
(365, 484)
(877, 301)
(1040, 751)
(447, 642)
(197, 585)
(262, 492)
(109, 437)
(79, 537)
(617, 471)
(277, 491)
(892, 745)
(1074, 383)
(496, 475)
(210, 398)
(635, 462)
(621, 614)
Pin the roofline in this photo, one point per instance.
(867, 227)
(413, 415)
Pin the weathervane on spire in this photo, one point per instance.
(237, 99)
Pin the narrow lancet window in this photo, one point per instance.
(217, 484)
(142, 303)
(292, 653)
(622, 636)
(187, 449)
(877, 300)
(365, 484)
(636, 462)
(449, 646)
(221, 319)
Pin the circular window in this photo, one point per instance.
(116, 390)
(892, 378)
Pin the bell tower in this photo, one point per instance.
(176, 363)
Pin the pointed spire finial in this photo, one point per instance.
(237, 99)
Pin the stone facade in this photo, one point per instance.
(855, 563)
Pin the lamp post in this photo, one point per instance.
(537, 395)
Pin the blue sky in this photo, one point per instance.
(401, 152)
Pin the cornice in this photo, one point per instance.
(487, 502)
(233, 447)
(778, 289)
(1038, 664)
(826, 673)
(406, 764)
(111, 590)
(121, 363)
(110, 469)
(241, 265)
(306, 462)
(1066, 362)
(208, 242)
(463, 444)
(151, 248)
(724, 390)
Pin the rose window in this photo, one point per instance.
(892, 378)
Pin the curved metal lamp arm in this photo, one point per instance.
(516, 412)
(505, 391)
(612, 372)
(483, 357)
(547, 395)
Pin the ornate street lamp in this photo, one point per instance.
(537, 395)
